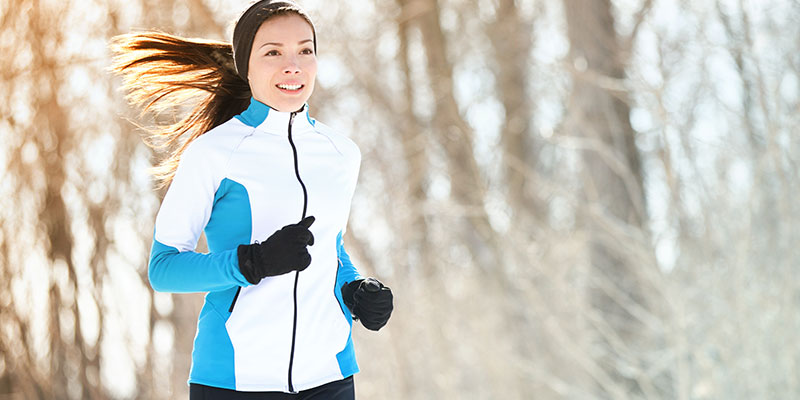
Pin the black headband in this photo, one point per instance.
(246, 27)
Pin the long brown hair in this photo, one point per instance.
(164, 72)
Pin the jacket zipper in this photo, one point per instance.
(297, 273)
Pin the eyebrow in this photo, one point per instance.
(281, 44)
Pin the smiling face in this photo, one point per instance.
(283, 66)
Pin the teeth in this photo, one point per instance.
(290, 87)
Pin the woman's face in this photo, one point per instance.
(283, 66)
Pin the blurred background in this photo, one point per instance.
(571, 199)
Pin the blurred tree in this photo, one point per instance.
(612, 184)
(70, 359)
(511, 38)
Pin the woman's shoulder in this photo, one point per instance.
(343, 143)
(221, 139)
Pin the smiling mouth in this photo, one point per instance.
(290, 88)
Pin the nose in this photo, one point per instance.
(292, 67)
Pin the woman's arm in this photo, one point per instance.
(184, 272)
(347, 271)
(367, 299)
(185, 211)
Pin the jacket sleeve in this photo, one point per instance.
(347, 271)
(174, 265)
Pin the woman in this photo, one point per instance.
(271, 187)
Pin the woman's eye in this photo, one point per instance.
(306, 51)
(272, 53)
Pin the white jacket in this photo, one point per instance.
(240, 182)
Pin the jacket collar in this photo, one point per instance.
(267, 119)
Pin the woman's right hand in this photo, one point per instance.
(284, 251)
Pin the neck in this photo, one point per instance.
(266, 118)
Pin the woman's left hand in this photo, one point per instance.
(370, 301)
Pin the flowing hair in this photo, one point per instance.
(163, 72)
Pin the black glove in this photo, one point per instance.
(285, 251)
(369, 301)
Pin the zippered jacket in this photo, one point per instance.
(239, 183)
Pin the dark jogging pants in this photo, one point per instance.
(338, 390)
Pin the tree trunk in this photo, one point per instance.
(612, 181)
(512, 40)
